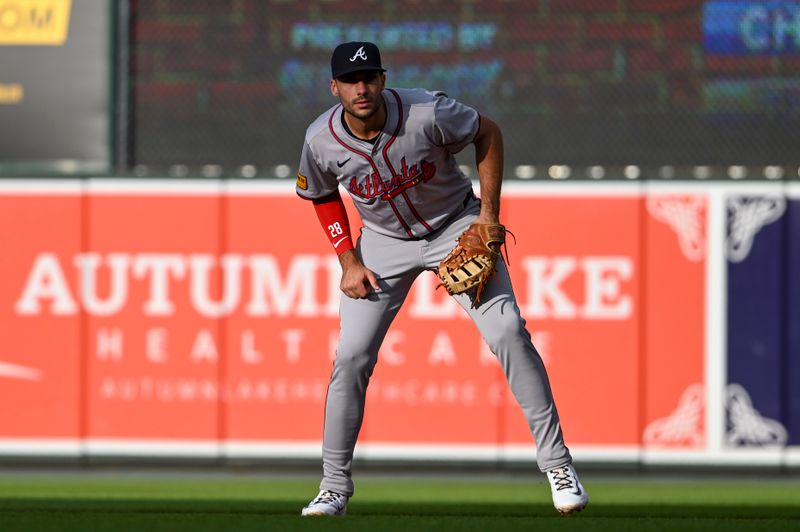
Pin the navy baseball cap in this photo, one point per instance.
(355, 56)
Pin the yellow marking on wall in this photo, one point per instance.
(34, 22)
(11, 93)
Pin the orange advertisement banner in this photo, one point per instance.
(152, 295)
(41, 340)
(577, 277)
(214, 317)
(675, 250)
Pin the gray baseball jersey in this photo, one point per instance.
(404, 186)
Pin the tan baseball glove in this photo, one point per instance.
(471, 264)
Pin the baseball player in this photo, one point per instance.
(393, 151)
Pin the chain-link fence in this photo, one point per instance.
(575, 82)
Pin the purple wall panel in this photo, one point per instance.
(792, 377)
(756, 320)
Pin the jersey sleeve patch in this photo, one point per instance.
(302, 181)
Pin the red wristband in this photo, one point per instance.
(333, 218)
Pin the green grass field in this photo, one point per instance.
(153, 503)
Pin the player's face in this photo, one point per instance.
(360, 92)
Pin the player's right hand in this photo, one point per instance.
(357, 281)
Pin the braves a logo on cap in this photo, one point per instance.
(360, 54)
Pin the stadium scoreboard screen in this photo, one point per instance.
(582, 83)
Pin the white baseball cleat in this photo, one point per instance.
(569, 496)
(327, 503)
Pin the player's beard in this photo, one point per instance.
(363, 114)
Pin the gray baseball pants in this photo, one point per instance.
(364, 323)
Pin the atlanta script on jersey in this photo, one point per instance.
(408, 182)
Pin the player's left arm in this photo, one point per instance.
(455, 126)
(489, 160)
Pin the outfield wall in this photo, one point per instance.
(199, 319)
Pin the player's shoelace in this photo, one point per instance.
(562, 479)
(328, 497)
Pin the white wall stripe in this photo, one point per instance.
(311, 451)
(286, 187)
(716, 369)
